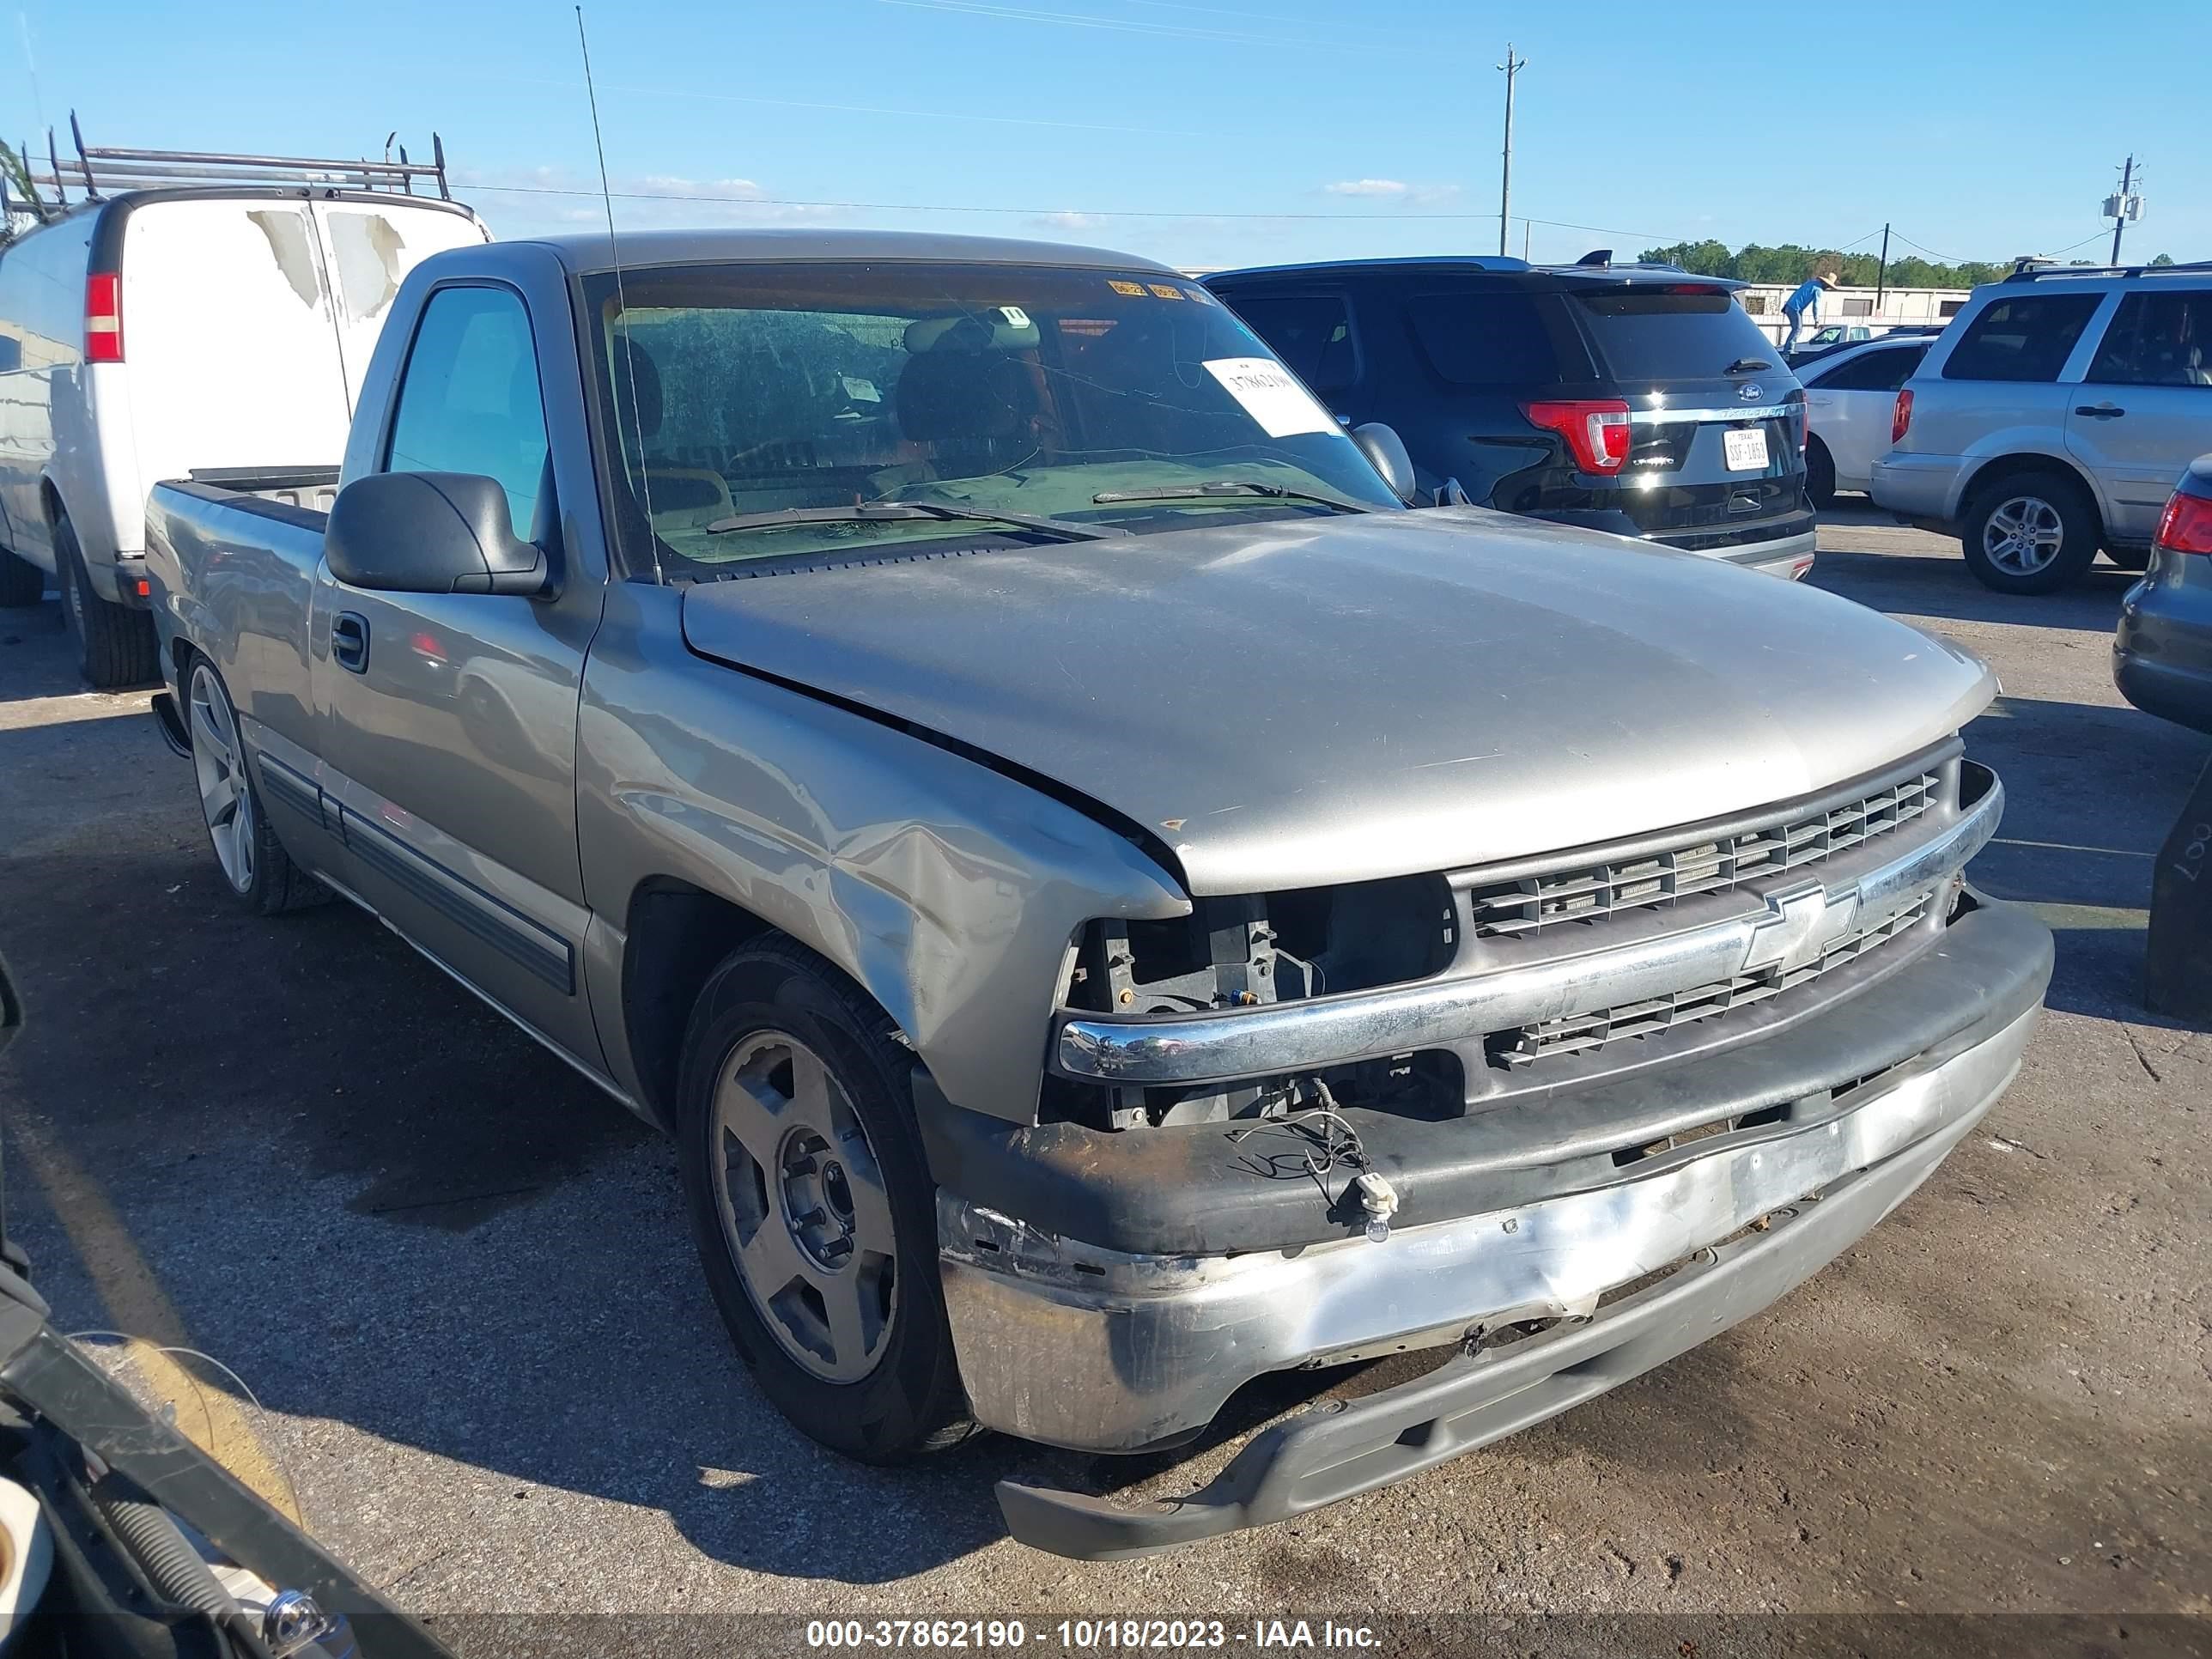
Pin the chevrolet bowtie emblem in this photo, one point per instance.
(1799, 926)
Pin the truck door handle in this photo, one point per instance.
(349, 640)
(2099, 412)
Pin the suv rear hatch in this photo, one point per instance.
(1716, 422)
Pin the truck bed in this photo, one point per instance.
(231, 546)
(309, 489)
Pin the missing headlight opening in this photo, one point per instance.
(1249, 951)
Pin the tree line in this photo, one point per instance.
(1791, 264)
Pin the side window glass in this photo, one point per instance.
(1483, 340)
(2028, 337)
(2157, 338)
(1874, 371)
(469, 399)
(1311, 333)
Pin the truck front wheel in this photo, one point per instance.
(812, 1206)
(115, 646)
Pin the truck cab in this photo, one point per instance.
(1108, 901)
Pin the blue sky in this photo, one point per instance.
(1200, 131)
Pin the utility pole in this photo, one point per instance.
(1882, 272)
(1512, 66)
(2122, 207)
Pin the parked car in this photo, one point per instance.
(2163, 649)
(169, 328)
(1633, 399)
(2051, 418)
(1850, 398)
(1108, 901)
(1844, 338)
(1829, 337)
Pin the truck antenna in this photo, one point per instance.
(622, 304)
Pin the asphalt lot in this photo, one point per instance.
(459, 1282)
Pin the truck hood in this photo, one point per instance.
(1304, 701)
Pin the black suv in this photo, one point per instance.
(1631, 398)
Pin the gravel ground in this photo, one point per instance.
(458, 1278)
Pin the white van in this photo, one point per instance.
(170, 331)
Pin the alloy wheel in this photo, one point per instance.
(805, 1215)
(219, 767)
(2023, 535)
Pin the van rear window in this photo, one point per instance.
(1674, 332)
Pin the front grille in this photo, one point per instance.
(1579, 1033)
(1594, 891)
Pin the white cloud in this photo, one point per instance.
(525, 201)
(1068, 219)
(1390, 189)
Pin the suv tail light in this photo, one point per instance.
(1900, 418)
(2186, 526)
(103, 317)
(1595, 428)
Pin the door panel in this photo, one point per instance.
(2144, 410)
(448, 720)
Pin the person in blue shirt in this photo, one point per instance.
(1804, 305)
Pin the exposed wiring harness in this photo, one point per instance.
(1329, 1140)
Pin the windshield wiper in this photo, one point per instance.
(905, 513)
(1746, 365)
(1226, 489)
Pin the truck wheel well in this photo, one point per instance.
(50, 500)
(2007, 466)
(677, 935)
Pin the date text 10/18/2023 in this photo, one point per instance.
(1087, 1635)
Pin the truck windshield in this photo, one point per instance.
(1083, 397)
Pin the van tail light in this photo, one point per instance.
(103, 317)
(1595, 428)
(2186, 526)
(1900, 418)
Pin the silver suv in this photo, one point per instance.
(2052, 418)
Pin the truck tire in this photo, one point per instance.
(2032, 533)
(254, 864)
(1819, 474)
(22, 582)
(812, 1206)
(115, 645)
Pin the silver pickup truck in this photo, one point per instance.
(1109, 903)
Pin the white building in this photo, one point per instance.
(1848, 306)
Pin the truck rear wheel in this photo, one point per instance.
(22, 582)
(259, 874)
(812, 1206)
(115, 645)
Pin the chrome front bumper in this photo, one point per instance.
(1094, 1349)
(1774, 923)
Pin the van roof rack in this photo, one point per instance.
(100, 171)
(2031, 268)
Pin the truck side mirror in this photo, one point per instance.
(1386, 451)
(430, 532)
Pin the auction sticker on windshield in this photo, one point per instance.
(1283, 408)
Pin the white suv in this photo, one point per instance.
(2052, 418)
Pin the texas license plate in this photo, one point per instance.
(1746, 448)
